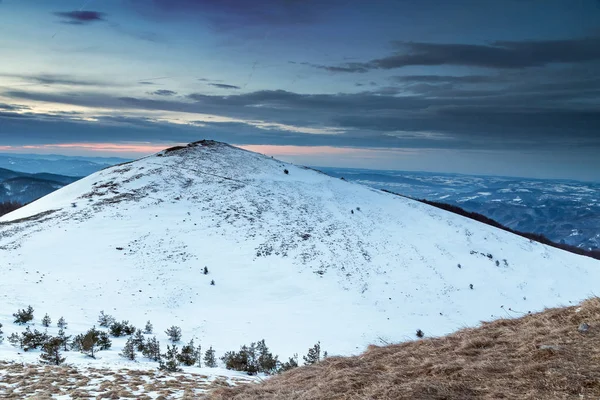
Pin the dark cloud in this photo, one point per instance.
(224, 86)
(436, 79)
(163, 92)
(80, 17)
(499, 55)
(58, 79)
(12, 107)
(510, 109)
(232, 14)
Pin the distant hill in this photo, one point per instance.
(564, 211)
(23, 188)
(56, 164)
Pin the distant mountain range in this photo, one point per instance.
(56, 164)
(564, 211)
(24, 188)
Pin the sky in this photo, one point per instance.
(487, 87)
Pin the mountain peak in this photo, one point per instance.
(296, 256)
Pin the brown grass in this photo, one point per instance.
(539, 356)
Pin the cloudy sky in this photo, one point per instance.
(506, 87)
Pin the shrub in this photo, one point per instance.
(288, 365)
(205, 271)
(123, 328)
(471, 286)
(33, 340)
(105, 320)
(209, 358)
(1, 338)
(148, 328)
(314, 355)
(62, 324)
(169, 361)
(285, 171)
(267, 363)
(152, 349)
(51, 352)
(64, 339)
(138, 340)
(23, 316)
(91, 342)
(239, 361)
(46, 321)
(212, 282)
(128, 351)
(420, 333)
(251, 359)
(15, 339)
(174, 334)
(188, 355)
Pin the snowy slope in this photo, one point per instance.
(291, 262)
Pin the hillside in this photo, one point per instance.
(538, 356)
(295, 257)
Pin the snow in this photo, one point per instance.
(291, 263)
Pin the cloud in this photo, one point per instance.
(224, 86)
(234, 14)
(80, 17)
(531, 108)
(163, 92)
(497, 55)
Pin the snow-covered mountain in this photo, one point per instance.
(296, 256)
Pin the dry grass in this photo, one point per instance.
(35, 381)
(539, 356)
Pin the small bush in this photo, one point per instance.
(1, 338)
(209, 358)
(33, 340)
(290, 364)
(251, 359)
(128, 351)
(46, 321)
(51, 352)
(152, 349)
(64, 339)
(62, 324)
(174, 334)
(105, 320)
(148, 328)
(138, 340)
(91, 342)
(205, 271)
(23, 316)
(285, 171)
(188, 355)
(15, 339)
(169, 361)
(420, 333)
(212, 282)
(123, 328)
(314, 355)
